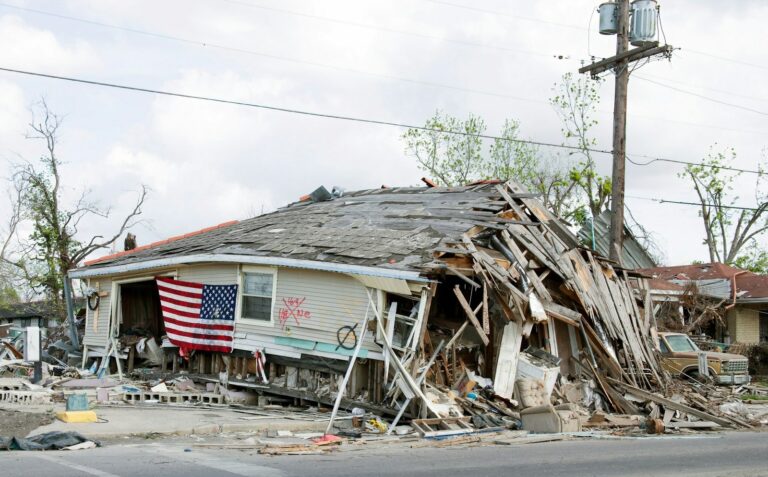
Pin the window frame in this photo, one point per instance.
(240, 293)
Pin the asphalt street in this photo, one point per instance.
(731, 454)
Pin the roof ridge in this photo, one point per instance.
(160, 242)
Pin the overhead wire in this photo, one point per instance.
(369, 26)
(336, 116)
(292, 110)
(697, 204)
(677, 161)
(206, 44)
(565, 25)
(704, 97)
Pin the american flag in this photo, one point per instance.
(198, 316)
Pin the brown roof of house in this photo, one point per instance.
(661, 284)
(748, 284)
(704, 271)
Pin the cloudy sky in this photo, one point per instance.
(395, 61)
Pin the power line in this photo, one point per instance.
(206, 44)
(723, 58)
(701, 96)
(340, 117)
(730, 93)
(293, 111)
(271, 56)
(576, 27)
(505, 14)
(697, 204)
(676, 161)
(369, 26)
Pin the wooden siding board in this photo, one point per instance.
(97, 334)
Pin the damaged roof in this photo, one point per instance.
(715, 279)
(397, 228)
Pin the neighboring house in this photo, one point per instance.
(42, 310)
(743, 294)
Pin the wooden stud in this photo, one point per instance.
(468, 311)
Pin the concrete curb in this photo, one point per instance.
(146, 422)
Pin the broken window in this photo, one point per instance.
(257, 296)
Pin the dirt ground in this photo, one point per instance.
(19, 423)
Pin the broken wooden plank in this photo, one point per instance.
(470, 315)
(670, 404)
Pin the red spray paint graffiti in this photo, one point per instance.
(292, 308)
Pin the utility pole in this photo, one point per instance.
(616, 234)
(620, 64)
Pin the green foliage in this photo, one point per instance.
(728, 229)
(570, 188)
(576, 101)
(754, 258)
(451, 159)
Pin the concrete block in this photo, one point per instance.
(25, 397)
(77, 416)
(14, 384)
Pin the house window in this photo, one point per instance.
(257, 296)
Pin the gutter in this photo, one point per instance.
(250, 260)
(733, 289)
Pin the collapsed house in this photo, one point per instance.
(407, 293)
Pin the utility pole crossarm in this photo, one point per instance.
(630, 56)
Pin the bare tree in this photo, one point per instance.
(729, 229)
(52, 248)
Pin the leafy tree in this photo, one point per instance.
(576, 101)
(753, 258)
(448, 148)
(44, 257)
(459, 159)
(728, 229)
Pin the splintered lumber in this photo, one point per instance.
(470, 314)
(486, 315)
(506, 364)
(670, 404)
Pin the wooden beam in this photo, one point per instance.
(470, 315)
(670, 404)
(486, 315)
(632, 55)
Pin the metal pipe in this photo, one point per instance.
(73, 338)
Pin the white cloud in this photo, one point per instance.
(27, 47)
(208, 163)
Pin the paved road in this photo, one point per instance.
(732, 455)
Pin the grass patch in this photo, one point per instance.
(754, 397)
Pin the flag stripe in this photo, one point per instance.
(181, 324)
(191, 321)
(180, 292)
(175, 296)
(184, 310)
(197, 332)
(197, 338)
(185, 302)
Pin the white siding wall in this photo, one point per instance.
(97, 331)
(222, 274)
(332, 300)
